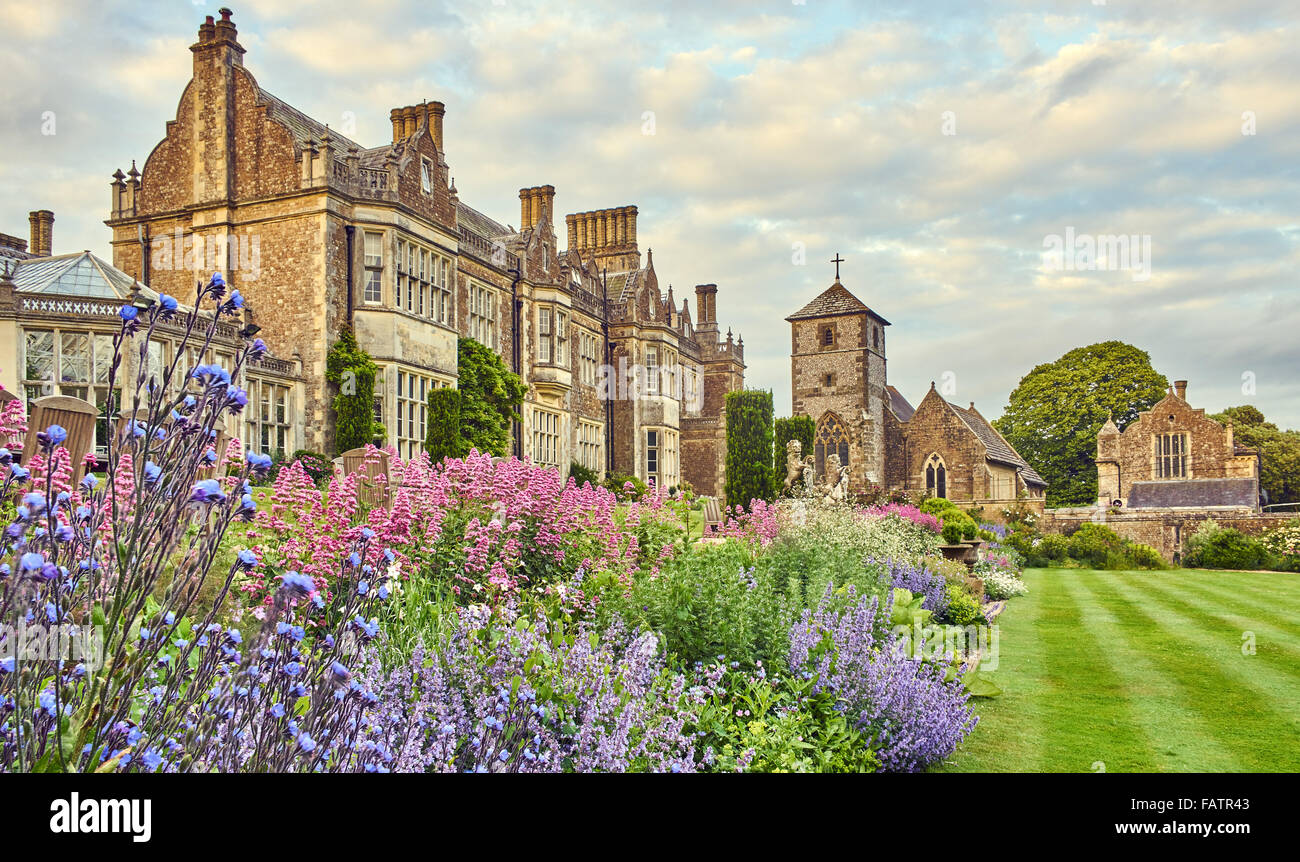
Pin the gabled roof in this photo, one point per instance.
(995, 444)
(902, 409)
(1194, 494)
(832, 301)
(81, 274)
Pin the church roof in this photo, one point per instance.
(996, 445)
(902, 409)
(1194, 494)
(832, 301)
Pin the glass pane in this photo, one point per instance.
(103, 357)
(40, 356)
(75, 350)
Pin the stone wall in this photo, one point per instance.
(1163, 529)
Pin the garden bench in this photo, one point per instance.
(76, 416)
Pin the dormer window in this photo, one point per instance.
(426, 176)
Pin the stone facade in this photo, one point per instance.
(321, 233)
(838, 377)
(1177, 444)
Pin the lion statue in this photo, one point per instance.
(793, 465)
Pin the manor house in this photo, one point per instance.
(320, 232)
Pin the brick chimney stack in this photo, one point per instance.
(1180, 389)
(42, 223)
(536, 203)
(212, 92)
(706, 306)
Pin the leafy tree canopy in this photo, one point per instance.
(1053, 416)
(1279, 451)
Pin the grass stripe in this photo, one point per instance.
(1275, 644)
(1229, 698)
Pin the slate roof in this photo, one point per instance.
(302, 126)
(899, 405)
(1194, 494)
(477, 222)
(832, 301)
(998, 448)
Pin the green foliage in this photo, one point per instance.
(749, 447)
(1279, 451)
(800, 566)
(1215, 547)
(442, 438)
(709, 602)
(1092, 544)
(1053, 416)
(786, 724)
(906, 608)
(352, 370)
(315, 465)
(952, 533)
(957, 525)
(490, 398)
(618, 482)
(582, 475)
(962, 610)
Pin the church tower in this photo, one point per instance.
(837, 357)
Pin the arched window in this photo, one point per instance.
(936, 476)
(828, 335)
(832, 439)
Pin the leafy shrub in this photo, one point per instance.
(490, 397)
(801, 569)
(749, 447)
(351, 369)
(583, 475)
(626, 487)
(952, 533)
(1053, 546)
(962, 610)
(315, 465)
(442, 438)
(1093, 544)
(1144, 557)
(709, 602)
(1215, 547)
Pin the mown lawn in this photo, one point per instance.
(1144, 672)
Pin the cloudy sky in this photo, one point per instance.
(937, 146)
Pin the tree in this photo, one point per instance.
(442, 439)
(490, 398)
(1053, 416)
(749, 447)
(1279, 451)
(352, 370)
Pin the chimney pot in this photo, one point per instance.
(1180, 389)
(437, 110)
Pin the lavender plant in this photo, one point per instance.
(913, 717)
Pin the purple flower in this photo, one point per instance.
(207, 491)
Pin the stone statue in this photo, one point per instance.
(836, 489)
(809, 475)
(793, 465)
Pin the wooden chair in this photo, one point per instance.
(76, 416)
(372, 485)
(712, 514)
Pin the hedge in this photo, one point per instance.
(749, 447)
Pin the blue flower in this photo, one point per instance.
(247, 558)
(31, 562)
(128, 312)
(295, 583)
(19, 474)
(217, 279)
(55, 434)
(207, 491)
(152, 473)
(167, 302)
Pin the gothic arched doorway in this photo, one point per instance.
(936, 476)
(832, 439)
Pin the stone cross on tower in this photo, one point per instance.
(837, 260)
